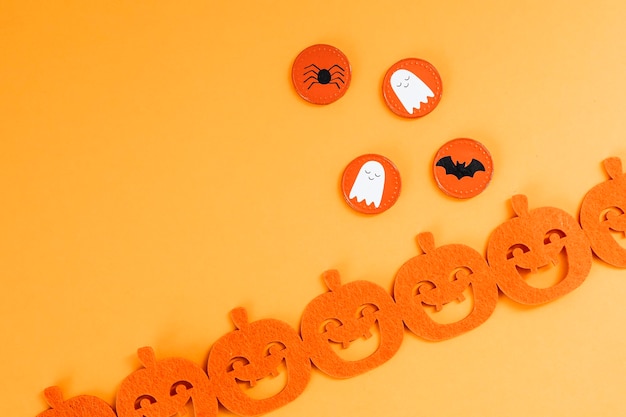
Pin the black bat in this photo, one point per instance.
(459, 170)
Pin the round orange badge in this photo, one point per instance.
(321, 74)
(371, 184)
(463, 168)
(412, 88)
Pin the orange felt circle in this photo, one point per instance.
(365, 190)
(455, 172)
(321, 74)
(407, 96)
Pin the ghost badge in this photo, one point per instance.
(371, 184)
(412, 88)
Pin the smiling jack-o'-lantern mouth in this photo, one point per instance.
(543, 270)
(354, 344)
(445, 309)
(267, 385)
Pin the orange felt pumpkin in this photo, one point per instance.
(602, 215)
(439, 277)
(534, 240)
(345, 314)
(164, 387)
(252, 352)
(80, 406)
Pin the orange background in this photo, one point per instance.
(158, 170)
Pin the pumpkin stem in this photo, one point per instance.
(520, 205)
(613, 167)
(147, 357)
(426, 241)
(54, 396)
(239, 316)
(332, 279)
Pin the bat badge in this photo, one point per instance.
(459, 169)
(462, 168)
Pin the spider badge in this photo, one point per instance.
(321, 74)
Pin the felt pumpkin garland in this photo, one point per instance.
(523, 245)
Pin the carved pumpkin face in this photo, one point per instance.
(252, 352)
(603, 218)
(81, 406)
(438, 277)
(163, 389)
(345, 314)
(534, 240)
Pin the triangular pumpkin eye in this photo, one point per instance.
(144, 401)
(517, 250)
(553, 236)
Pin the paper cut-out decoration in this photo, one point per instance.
(535, 240)
(441, 276)
(163, 388)
(412, 88)
(348, 314)
(321, 74)
(254, 351)
(371, 184)
(80, 406)
(603, 218)
(462, 168)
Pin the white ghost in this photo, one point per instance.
(411, 91)
(369, 183)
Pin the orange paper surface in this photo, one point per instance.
(159, 169)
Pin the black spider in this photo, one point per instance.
(324, 76)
